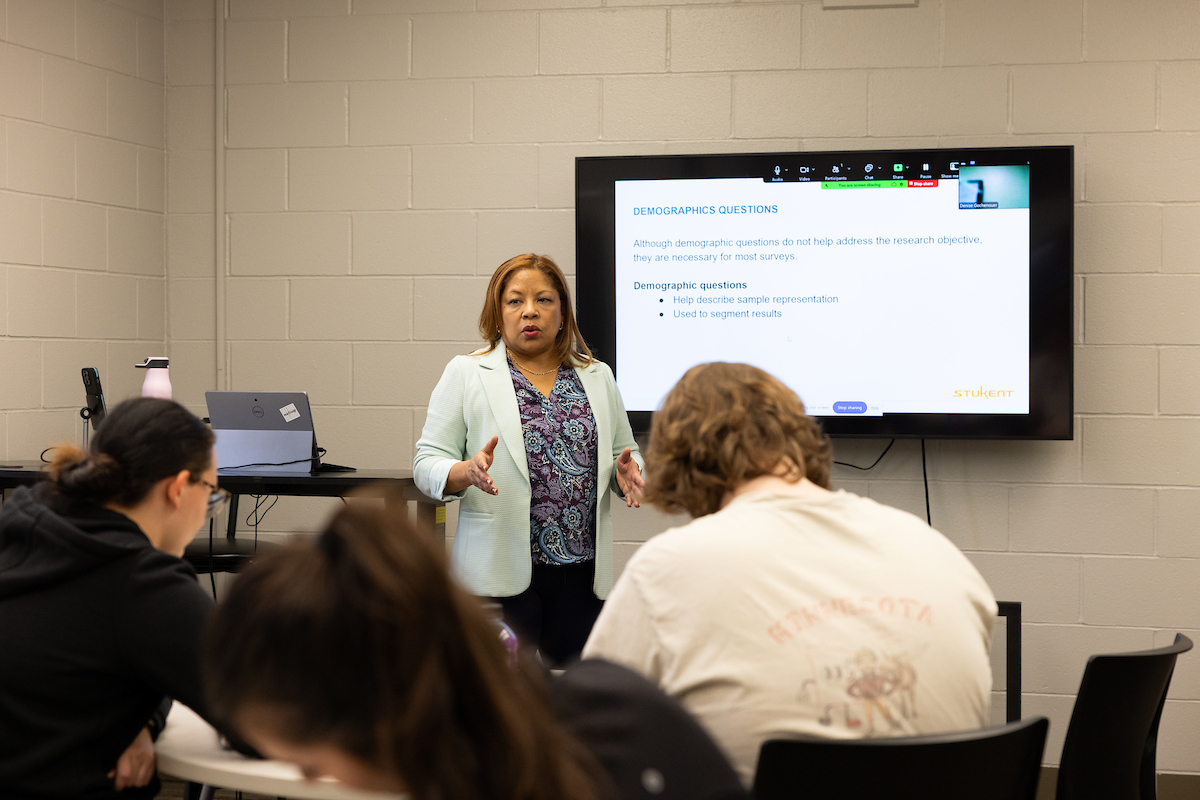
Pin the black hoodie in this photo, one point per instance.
(96, 627)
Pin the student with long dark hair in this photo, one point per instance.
(100, 619)
(356, 655)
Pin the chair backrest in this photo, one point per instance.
(999, 763)
(1109, 752)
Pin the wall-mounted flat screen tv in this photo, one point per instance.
(900, 293)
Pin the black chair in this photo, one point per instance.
(212, 554)
(1109, 752)
(1001, 763)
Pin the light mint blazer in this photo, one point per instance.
(475, 400)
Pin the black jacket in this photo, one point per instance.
(96, 628)
(650, 746)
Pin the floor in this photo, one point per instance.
(173, 790)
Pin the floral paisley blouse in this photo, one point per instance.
(561, 449)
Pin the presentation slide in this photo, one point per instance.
(867, 297)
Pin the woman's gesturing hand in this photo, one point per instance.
(479, 464)
(629, 478)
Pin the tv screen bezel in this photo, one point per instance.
(1051, 279)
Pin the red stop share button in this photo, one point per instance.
(922, 184)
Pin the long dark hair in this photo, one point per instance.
(140, 442)
(362, 640)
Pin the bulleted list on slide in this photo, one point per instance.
(868, 297)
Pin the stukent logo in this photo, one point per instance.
(982, 392)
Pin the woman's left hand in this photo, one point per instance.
(629, 478)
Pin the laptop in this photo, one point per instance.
(264, 432)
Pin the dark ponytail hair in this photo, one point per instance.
(362, 640)
(140, 442)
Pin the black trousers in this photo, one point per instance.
(556, 613)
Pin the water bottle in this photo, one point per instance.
(158, 377)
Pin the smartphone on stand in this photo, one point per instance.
(95, 410)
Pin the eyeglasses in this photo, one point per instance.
(218, 498)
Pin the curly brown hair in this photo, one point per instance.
(569, 346)
(722, 425)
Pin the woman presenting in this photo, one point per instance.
(530, 433)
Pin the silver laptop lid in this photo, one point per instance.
(261, 431)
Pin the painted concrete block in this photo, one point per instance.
(1142, 309)
(31, 432)
(1177, 535)
(1005, 461)
(351, 308)
(975, 516)
(1139, 592)
(474, 176)
(504, 234)
(287, 115)
(151, 49)
(107, 171)
(1147, 167)
(107, 306)
(668, 107)
(320, 368)
(1116, 380)
(632, 526)
(193, 371)
(190, 118)
(41, 302)
(538, 110)
(21, 360)
(74, 95)
(556, 167)
(255, 180)
(190, 188)
(75, 235)
(415, 6)
(135, 242)
(106, 36)
(479, 44)
(256, 308)
(190, 52)
(1118, 238)
(61, 361)
(152, 308)
(1054, 656)
(46, 25)
(255, 51)
(135, 111)
(1179, 226)
(603, 41)
(348, 179)
(1143, 451)
(1082, 519)
(1179, 381)
(816, 103)
(1069, 98)
(735, 38)
(190, 243)
(447, 309)
(41, 160)
(367, 438)
(955, 100)
(1153, 30)
(289, 244)
(1179, 84)
(152, 179)
(283, 9)
(21, 89)
(1016, 32)
(21, 221)
(897, 37)
(353, 48)
(414, 243)
(1047, 586)
(410, 112)
(192, 308)
(400, 373)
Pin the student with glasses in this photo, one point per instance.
(100, 618)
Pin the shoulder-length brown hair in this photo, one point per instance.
(569, 346)
(361, 639)
(722, 425)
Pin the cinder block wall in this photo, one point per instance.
(383, 156)
(82, 268)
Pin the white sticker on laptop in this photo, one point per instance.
(290, 414)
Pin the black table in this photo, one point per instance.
(396, 483)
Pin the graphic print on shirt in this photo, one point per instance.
(560, 449)
(858, 661)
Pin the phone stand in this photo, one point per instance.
(86, 414)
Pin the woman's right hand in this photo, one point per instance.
(474, 471)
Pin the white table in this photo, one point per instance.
(189, 749)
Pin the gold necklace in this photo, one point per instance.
(532, 372)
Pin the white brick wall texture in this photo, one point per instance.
(383, 156)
